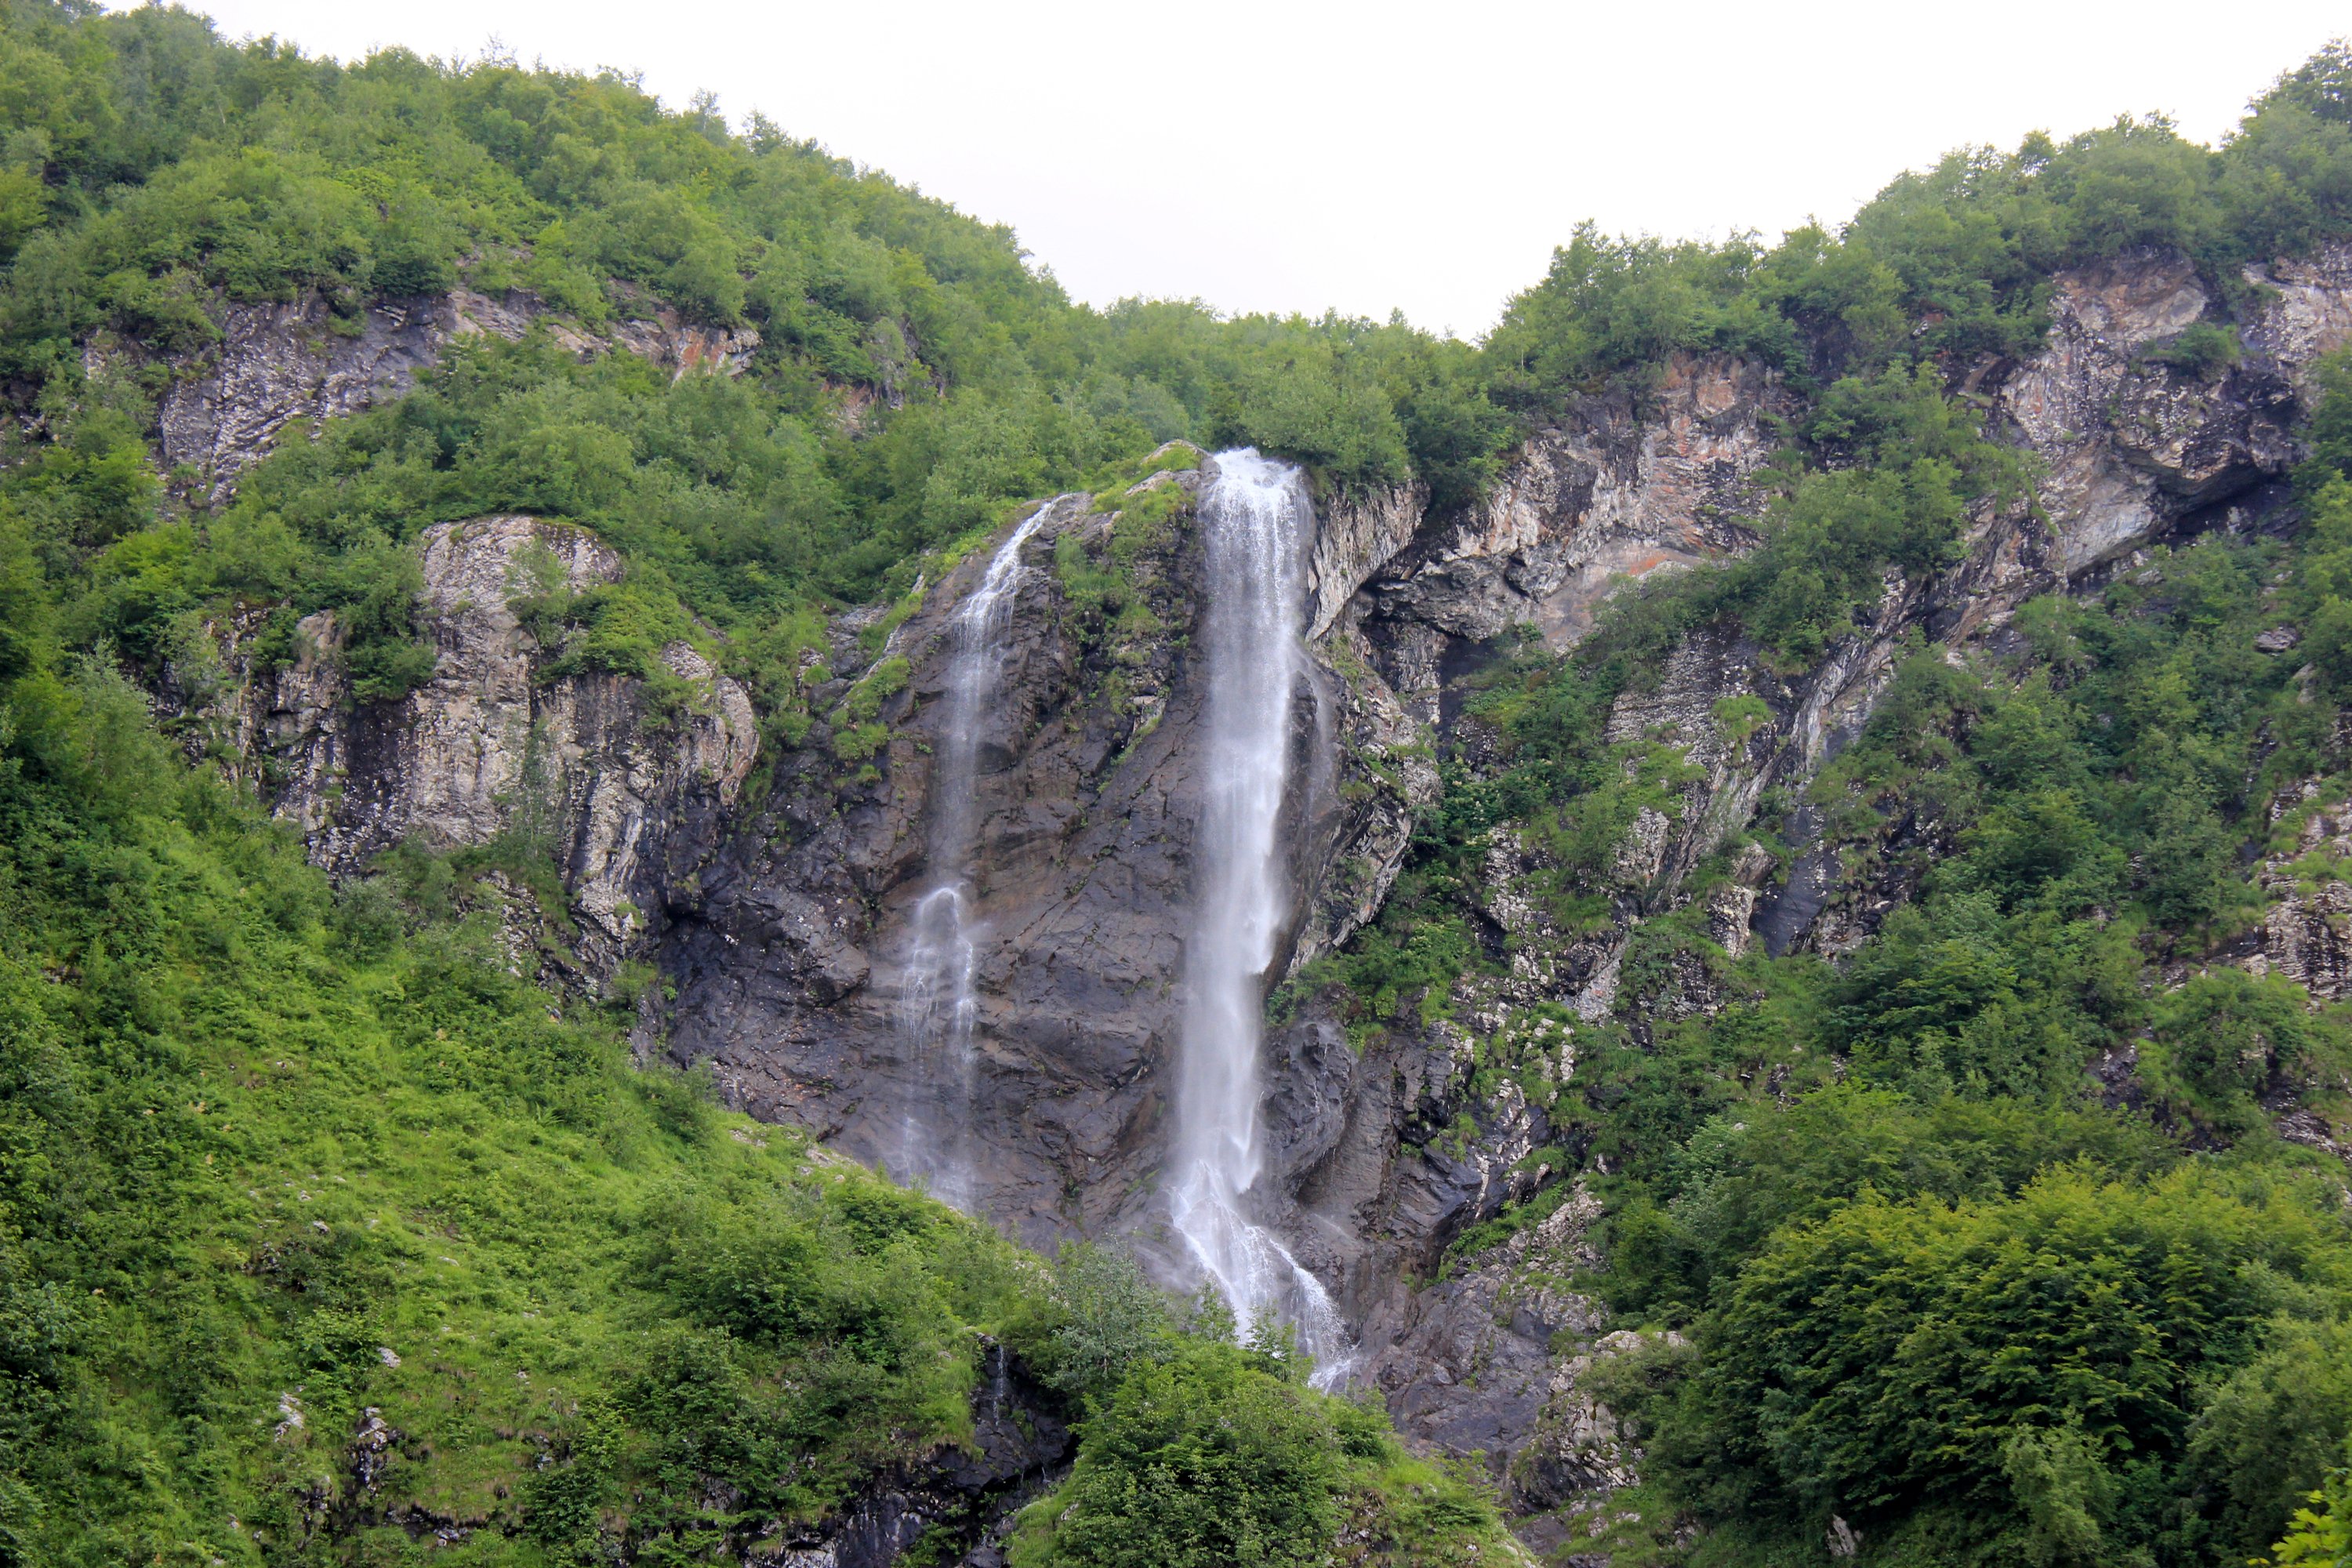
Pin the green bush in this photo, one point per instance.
(1198, 1462)
(1952, 264)
(2023, 1364)
(2225, 1040)
(1109, 1318)
(2200, 348)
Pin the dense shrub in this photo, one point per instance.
(1198, 1462)
(1951, 263)
(2024, 1371)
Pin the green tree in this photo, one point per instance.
(1201, 1461)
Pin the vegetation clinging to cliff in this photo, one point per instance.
(915, 377)
(280, 1158)
(1938, 1283)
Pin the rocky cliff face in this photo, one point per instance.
(783, 921)
(2133, 452)
(626, 790)
(285, 365)
(629, 790)
(790, 953)
(1623, 486)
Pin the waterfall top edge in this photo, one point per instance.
(1246, 459)
(1038, 512)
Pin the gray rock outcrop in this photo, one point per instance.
(2132, 451)
(624, 790)
(2307, 934)
(1386, 1150)
(789, 951)
(294, 364)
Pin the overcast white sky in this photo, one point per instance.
(1282, 156)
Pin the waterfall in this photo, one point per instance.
(940, 1008)
(1256, 520)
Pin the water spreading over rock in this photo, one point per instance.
(939, 1005)
(1256, 520)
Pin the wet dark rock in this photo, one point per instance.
(372, 1448)
(788, 964)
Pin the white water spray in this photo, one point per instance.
(1255, 518)
(939, 1006)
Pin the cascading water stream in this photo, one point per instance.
(939, 1005)
(1255, 518)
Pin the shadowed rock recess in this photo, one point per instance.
(778, 917)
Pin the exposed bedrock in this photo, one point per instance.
(2130, 452)
(786, 955)
(291, 364)
(790, 953)
(1390, 1156)
(627, 792)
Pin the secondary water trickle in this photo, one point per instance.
(939, 1007)
(1256, 521)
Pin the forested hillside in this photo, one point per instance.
(350, 1214)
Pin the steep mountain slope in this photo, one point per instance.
(1805, 1026)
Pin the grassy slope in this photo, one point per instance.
(249, 1156)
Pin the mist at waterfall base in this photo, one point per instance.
(939, 1005)
(1256, 520)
